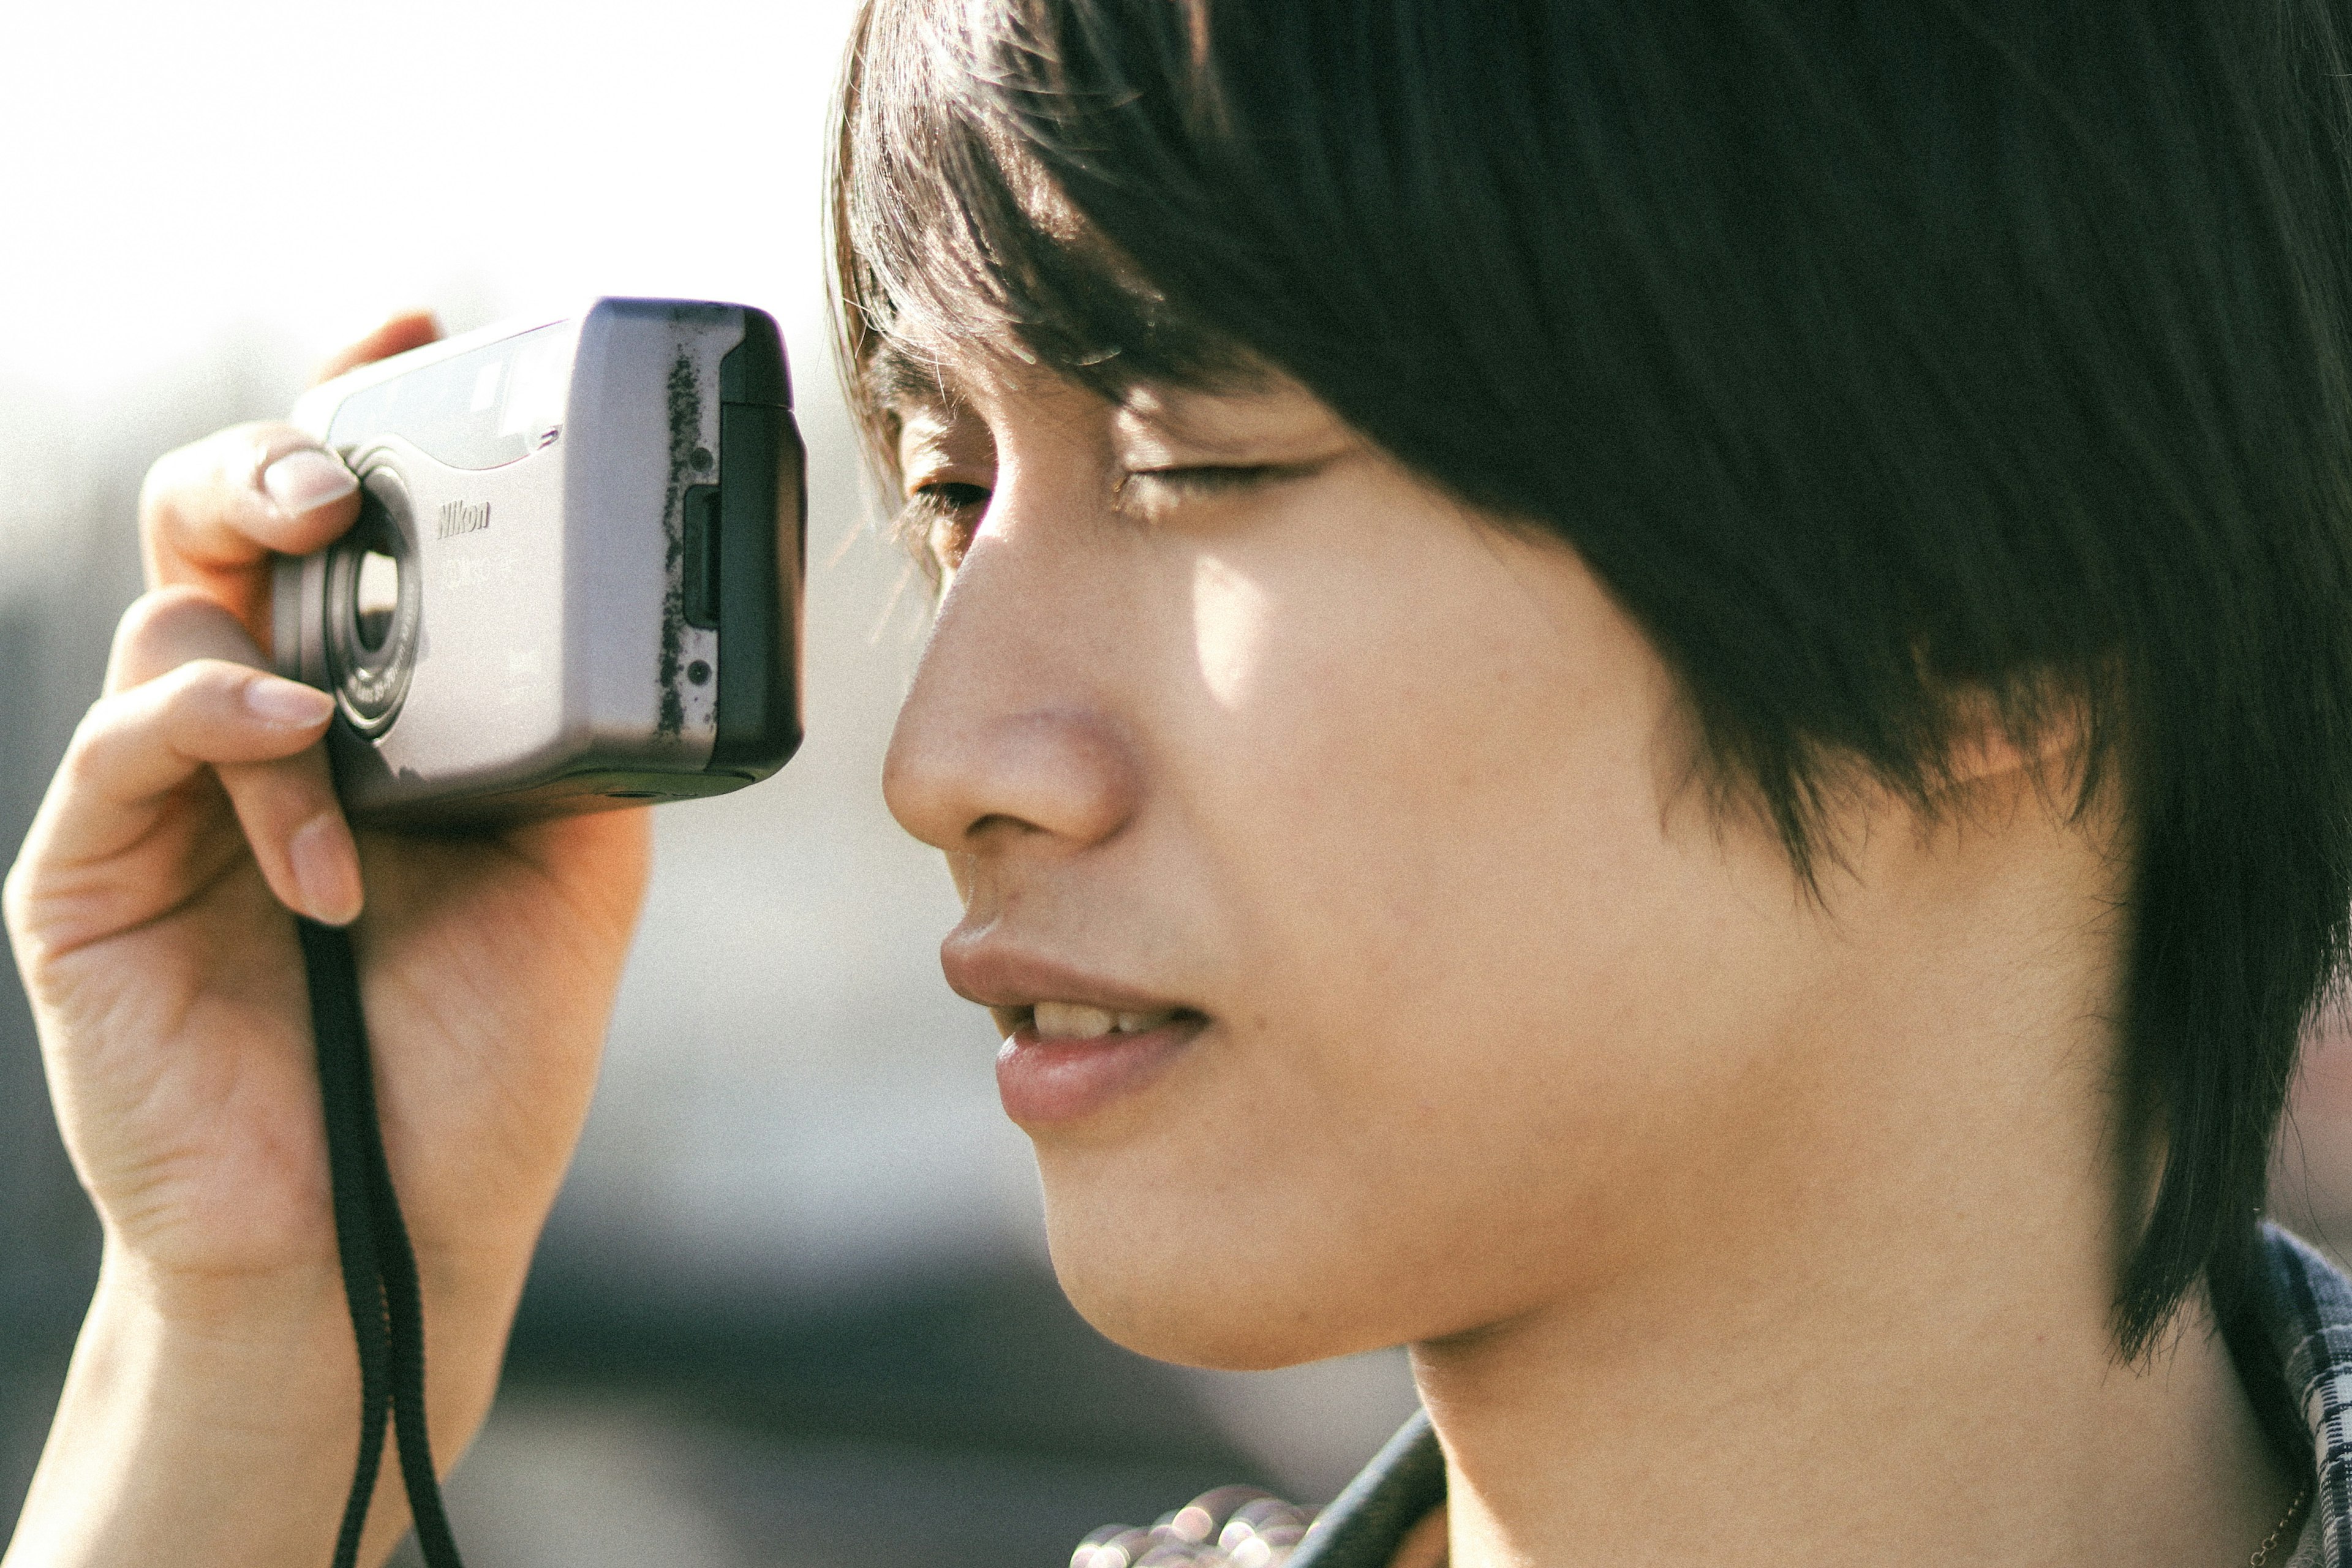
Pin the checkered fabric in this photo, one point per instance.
(2310, 1310)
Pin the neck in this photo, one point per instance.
(1921, 1431)
(1879, 1330)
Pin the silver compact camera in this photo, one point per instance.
(575, 581)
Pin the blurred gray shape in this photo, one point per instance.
(560, 1481)
(69, 480)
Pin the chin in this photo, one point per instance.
(1186, 1293)
(1191, 1322)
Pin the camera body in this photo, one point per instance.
(576, 582)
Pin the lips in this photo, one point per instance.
(1075, 1043)
(1046, 1083)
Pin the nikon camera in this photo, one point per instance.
(575, 581)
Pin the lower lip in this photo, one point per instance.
(1044, 1082)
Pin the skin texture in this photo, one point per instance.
(1726, 1225)
(1510, 1047)
(209, 1415)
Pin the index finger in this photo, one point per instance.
(213, 513)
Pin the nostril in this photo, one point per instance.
(978, 785)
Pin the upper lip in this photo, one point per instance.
(1005, 978)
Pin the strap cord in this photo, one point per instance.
(379, 1267)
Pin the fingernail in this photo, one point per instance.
(326, 868)
(301, 482)
(287, 701)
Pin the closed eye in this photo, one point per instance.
(1209, 479)
(938, 521)
(948, 495)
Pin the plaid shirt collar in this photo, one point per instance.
(2307, 1310)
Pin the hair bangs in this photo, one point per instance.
(952, 240)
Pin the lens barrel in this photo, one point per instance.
(374, 602)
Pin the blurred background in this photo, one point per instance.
(793, 1307)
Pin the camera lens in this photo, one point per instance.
(374, 608)
(375, 598)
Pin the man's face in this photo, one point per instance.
(1371, 968)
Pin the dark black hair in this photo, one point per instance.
(1873, 355)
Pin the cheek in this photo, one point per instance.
(1445, 811)
(1464, 960)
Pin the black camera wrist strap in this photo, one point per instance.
(379, 1267)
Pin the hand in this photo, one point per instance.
(149, 913)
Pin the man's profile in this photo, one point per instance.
(1658, 701)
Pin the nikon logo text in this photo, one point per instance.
(457, 517)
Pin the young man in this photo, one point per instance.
(1659, 701)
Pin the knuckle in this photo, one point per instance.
(93, 737)
(19, 910)
(22, 912)
(159, 493)
(171, 627)
(121, 717)
(184, 486)
(155, 613)
(253, 448)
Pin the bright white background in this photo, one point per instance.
(306, 166)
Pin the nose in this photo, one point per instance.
(1004, 741)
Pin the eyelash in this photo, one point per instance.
(956, 505)
(947, 498)
(935, 510)
(1206, 478)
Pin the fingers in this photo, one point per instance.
(185, 692)
(165, 629)
(137, 746)
(408, 330)
(285, 804)
(212, 514)
(184, 695)
(296, 829)
(135, 752)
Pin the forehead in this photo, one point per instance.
(906, 371)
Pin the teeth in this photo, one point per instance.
(1073, 1021)
(1076, 1021)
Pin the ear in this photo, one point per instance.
(2037, 736)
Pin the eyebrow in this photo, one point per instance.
(898, 377)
